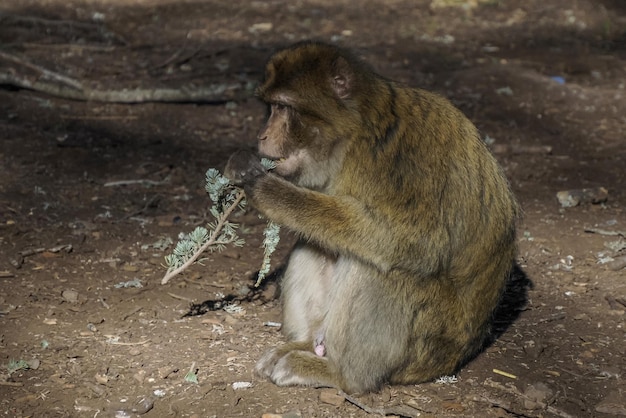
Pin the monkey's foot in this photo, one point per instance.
(266, 364)
(296, 367)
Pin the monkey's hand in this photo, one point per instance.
(244, 168)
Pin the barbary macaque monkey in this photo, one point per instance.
(406, 224)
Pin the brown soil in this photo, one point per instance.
(67, 237)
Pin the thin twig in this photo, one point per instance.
(66, 88)
(175, 296)
(192, 369)
(361, 405)
(99, 117)
(51, 22)
(51, 26)
(44, 72)
(177, 57)
(605, 232)
(212, 239)
(149, 203)
(58, 248)
(134, 311)
(144, 182)
(137, 343)
(14, 384)
(505, 374)
(74, 47)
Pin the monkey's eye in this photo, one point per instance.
(279, 106)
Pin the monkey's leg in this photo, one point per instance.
(306, 286)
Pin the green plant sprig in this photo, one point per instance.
(271, 234)
(226, 198)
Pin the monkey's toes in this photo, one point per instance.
(265, 366)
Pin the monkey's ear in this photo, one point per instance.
(342, 78)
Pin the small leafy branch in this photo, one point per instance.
(269, 244)
(226, 198)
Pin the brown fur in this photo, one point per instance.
(407, 224)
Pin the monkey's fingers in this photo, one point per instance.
(243, 167)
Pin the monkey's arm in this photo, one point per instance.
(339, 223)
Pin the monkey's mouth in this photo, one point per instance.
(275, 160)
(289, 160)
(284, 166)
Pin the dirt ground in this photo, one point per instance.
(91, 192)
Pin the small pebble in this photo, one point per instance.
(33, 364)
(612, 404)
(70, 296)
(127, 409)
(140, 376)
(242, 385)
(536, 394)
(331, 397)
(101, 379)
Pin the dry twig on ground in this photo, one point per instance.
(59, 85)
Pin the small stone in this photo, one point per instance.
(452, 406)
(70, 296)
(385, 395)
(533, 349)
(241, 385)
(571, 198)
(127, 409)
(130, 268)
(166, 371)
(537, 394)
(587, 354)
(270, 292)
(331, 397)
(613, 404)
(261, 27)
(33, 364)
(243, 290)
(140, 376)
(102, 379)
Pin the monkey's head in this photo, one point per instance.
(310, 89)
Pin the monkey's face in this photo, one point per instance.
(284, 139)
(308, 90)
(301, 144)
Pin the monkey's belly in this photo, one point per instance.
(306, 286)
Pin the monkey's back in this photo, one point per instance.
(450, 213)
